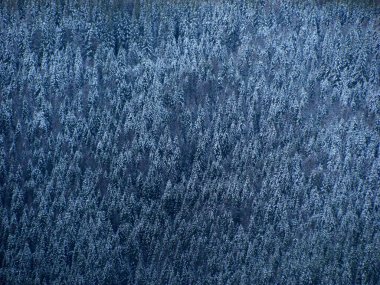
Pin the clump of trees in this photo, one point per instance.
(149, 142)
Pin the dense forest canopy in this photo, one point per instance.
(200, 142)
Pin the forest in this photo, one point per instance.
(189, 142)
